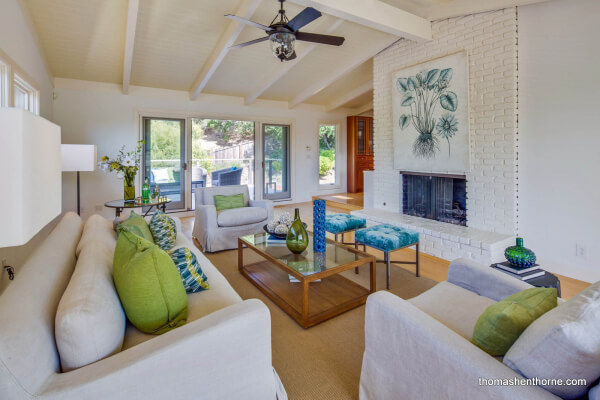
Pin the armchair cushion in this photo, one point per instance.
(562, 344)
(223, 202)
(241, 216)
(453, 306)
(502, 323)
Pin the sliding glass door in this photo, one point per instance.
(276, 161)
(164, 158)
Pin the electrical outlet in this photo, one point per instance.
(580, 251)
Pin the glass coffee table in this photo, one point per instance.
(120, 205)
(307, 286)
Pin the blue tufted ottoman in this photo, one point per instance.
(388, 238)
(338, 224)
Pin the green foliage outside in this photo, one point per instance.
(326, 149)
(274, 148)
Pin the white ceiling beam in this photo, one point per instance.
(339, 72)
(227, 39)
(270, 81)
(349, 96)
(132, 16)
(377, 15)
(363, 109)
(459, 8)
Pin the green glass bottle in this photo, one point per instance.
(297, 237)
(146, 191)
(520, 256)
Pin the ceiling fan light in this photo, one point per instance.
(282, 44)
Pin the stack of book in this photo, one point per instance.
(275, 240)
(523, 274)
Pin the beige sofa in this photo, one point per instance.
(223, 352)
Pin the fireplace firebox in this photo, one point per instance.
(435, 196)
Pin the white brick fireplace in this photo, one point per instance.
(490, 40)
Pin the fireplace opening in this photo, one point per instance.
(439, 197)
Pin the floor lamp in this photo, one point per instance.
(78, 157)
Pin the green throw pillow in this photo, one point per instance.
(223, 202)
(139, 222)
(164, 230)
(192, 276)
(502, 323)
(148, 285)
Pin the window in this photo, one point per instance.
(25, 95)
(328, 143)
(4, 85)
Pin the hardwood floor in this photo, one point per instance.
(343, 201)
(431, 267)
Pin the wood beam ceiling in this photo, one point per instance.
(132, 16)
(349, 96)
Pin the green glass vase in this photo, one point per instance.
(520, 256)
(297, 237)
(128, 192)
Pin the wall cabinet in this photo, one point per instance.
(360, 151)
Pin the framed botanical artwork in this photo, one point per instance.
(431, 116)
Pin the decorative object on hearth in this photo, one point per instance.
(520, 256)
(126, 165)
(284, 33)
(431, 116)
(319, 241)
(297, 237)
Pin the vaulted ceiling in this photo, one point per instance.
(184, 45)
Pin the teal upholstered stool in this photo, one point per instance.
(339, 224)
(388, 238)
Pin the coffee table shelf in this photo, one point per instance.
(321, 292)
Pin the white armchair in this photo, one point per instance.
(420, 348)
(216, 231)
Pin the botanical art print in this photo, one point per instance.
(430, 107)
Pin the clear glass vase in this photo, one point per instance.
(128, 192)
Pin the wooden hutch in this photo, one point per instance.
(360, 151)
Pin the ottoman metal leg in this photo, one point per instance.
(356, 247)
(386, 259)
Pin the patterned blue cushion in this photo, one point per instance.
(164, 230)
(337, 223)
(387, 237)
(194, 280)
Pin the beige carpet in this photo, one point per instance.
(322, 362)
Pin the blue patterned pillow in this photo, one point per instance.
(164, 230)
(192, 276)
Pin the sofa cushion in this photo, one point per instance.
(223, 202)
(562, 344)
(453, 306)
(241, 216)
(200, 304)
(501, 324)
(90, 322)
(139, 222)
(98, 231)
(164, 230)
(148, 285)
(194, 280)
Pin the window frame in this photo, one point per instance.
(5, 83)
(33, 95)
(12, 74)
(338, 177)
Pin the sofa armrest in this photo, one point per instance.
(483, 280)
(225, 355)
(266, 204)
(409, 352)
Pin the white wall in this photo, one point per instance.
(18, 41)
(490, 40)
(559, 134)
(97, 113)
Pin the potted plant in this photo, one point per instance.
(126, 165)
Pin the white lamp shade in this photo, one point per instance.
(78, 157)
(30, 175)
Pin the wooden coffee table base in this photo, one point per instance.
(308, 302)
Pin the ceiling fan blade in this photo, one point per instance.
(248, 22)
(250, 42)
(323, 39)
(305, 17)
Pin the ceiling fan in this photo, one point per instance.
(284, 33)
